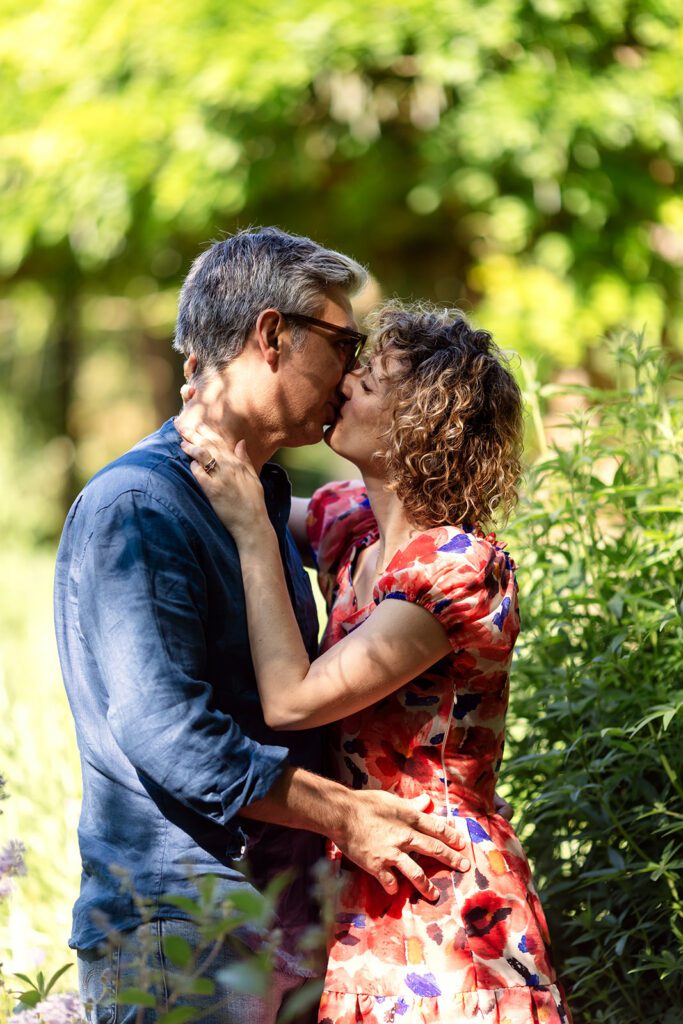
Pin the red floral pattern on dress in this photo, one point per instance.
(480, 952)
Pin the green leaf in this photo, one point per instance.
(251, 903)
(615, 859)
(55, 977)
(25, 977)
(184, 903)
(177, 949)
(207, 888)
(248, 978)
(31, 998)
(135, 997)
(194, 986)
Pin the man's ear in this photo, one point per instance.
(190, 366)
(269, 326)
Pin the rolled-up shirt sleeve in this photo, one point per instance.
(142, 612)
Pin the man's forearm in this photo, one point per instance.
(301, 799)
(379, 831)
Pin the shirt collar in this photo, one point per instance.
(278, 493)
(276, 486)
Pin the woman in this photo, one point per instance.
(414, 665)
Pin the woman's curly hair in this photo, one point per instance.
(455, 442)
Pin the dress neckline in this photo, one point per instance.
(371, 537)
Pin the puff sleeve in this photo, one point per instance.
(466, 582)
(339, 515)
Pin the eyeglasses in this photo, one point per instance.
(353, 342)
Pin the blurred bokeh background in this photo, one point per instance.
(518, 158)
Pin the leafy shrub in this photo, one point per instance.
(596, 746)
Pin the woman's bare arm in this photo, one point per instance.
(395, 644)
(297, 526)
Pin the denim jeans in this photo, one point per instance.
(140, 962)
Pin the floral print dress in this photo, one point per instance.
(481, 951)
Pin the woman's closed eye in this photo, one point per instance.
(365, 387)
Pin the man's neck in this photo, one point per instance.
(211, 405)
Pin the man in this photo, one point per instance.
(178, 765)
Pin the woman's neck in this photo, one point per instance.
(395, 529)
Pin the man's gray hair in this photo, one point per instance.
(255, 269)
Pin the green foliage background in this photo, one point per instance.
(595, 757)
(520, 158)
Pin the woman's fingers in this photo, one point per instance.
(198, 471)
(502, 807)
(197, 452)
(200, 432)
(201, 436)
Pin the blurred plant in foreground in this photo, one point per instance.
(36, 1005)
(597, 732)
(219, 922)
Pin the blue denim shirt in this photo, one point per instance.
(152, 636)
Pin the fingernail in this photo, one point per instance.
(464, 864)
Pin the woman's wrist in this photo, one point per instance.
(252, 536)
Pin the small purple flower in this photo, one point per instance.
(61, 1008)
(11, 865)
(12, 859)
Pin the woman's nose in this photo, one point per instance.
(349, 380)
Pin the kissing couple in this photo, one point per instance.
(218, 738)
